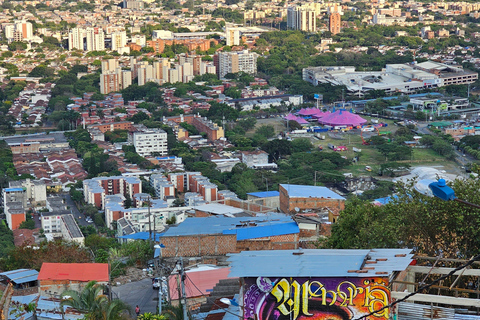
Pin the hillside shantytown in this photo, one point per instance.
(239, 159)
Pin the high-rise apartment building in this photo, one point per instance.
(233, 62)
(75, 39)
(119, 40)
(89, 39)
(95, 39)
(335, 22)
(18, 31)
(149, 141)
(303, 19)
(233, 36)
(25, 28)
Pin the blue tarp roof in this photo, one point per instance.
(301, 191)
(317, 262)
(13, 189)
(243, 227)
(142, 236)
(386, 199)
(264, 194)
(21, 275)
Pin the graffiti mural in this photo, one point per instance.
(315, 298)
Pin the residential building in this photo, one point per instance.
(298, 198)
(55, 278)
(149, 141)
(96, 189)
(35, 191)
(232, 36)
(24, 281)
(70, 230)
(257, 159)
(18, 31)
(76, 39)
(95, 39)
(335, 23)
(109, 82)
(299, 18)
(14, 203)
(119, 40)
(133, 4)
(163, 187)
(237, 61)
(220, 235)
(213, 131)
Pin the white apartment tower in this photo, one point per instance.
(149, 141)
(233, 36)
(95, 39)
(301, 19)
(119, 40)
(233, 62)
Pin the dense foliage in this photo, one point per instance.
(430, 225)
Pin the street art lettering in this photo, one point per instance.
(315, 298)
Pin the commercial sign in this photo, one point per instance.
(315, 298)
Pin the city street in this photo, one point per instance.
(77, 214)
(138, 293)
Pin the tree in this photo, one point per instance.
(301, 145)
(429, 224)
(268, 131)
(94, 303)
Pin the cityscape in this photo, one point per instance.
(238, 159)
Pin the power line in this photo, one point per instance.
(226, 310)
(424, 287)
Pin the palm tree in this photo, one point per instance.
(94, 303)
(173, 312)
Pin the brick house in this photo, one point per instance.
(219, 235)
(298, 198)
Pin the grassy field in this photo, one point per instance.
(369, 155)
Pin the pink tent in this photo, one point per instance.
(301, 120)
(308, 111)
(319, 114)
(342, 118)
(290, 117)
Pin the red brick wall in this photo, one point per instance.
(288, 205)
(194, 246)
(283, 242)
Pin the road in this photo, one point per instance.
(138, 293)
(79, 216)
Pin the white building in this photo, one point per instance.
(233, 62)
(233, 36)
(95, 39)
(119, 40)
(299, 18)
(75, 39)
(148, 141)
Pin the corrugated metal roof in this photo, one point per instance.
(301, 191)
(264, 231)
(21, 275)
(74, 271)
(318, 262)
(264, 194)
(144, 235)
(243, 227)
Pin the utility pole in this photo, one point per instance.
(184, 295)
(149, 220)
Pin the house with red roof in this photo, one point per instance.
(55, 278)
